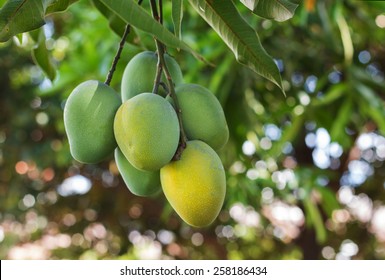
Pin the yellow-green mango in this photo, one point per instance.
(139, 182)
(195, 185)
(89, 120)
(147, 131)
(139, 74)
(202, 115)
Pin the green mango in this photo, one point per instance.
(139, 74)
(88, 120)
(147, 131)
(202, 115)
(140, 183)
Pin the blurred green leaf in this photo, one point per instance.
(177, 15)
(329, 200)
(313, 217)
(220, 81)
(346, 38)
(224, 18)
(279, 10)
(344, 116)
(364, 77)
(335, 92)
(42, 58)
(288, 135)
(375, 106)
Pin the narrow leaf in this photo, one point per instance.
(279, 10)
(224, 18)
(314, 217)
(177, 15)
(375, 108)
(42, 58)
(329, 201)
(337, 131)
(334, 93)
(289, 133)
(135, 15)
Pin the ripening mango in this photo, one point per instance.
(195, 185)
(139, 74)
(89, 120)
(147, 131)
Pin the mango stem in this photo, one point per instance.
(171, 89)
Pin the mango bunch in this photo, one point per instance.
(143, 132)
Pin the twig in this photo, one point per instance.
(117, 56)
(119, 52)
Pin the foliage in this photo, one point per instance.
(305, 174)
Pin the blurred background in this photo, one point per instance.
(305, 172)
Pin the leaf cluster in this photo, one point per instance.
(19, 16)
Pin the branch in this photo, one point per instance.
(162, 64)
(158, 76)
(117, 56)
(119, 52)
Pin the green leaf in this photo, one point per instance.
(224, 18)
(375, 107)
(279, 10)
(116, 23)
(314, 217)
(329, 201)
(344, 116)
(177, 15)
(18, 16)
(55, 6)
(290, 132)
(334, 93)
(135, 15)
(42, 58)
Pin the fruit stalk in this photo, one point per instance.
(159, 70)
(158, 76)
(117, 56)
(162, 63)
(119, 52)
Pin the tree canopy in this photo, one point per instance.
(302, 87)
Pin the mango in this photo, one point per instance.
(88, 120)
(139, 74)
(195, 185)
(202, 115)
(147, 131)
(140, 183)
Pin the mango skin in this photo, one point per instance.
(147, 131)
(89, 120)
(202, 115)
(195, 185)
(140, 183)
(139, 74)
